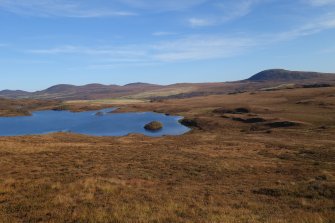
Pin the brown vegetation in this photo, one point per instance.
(24, 107)
(219, 172)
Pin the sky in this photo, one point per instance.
(48, 42)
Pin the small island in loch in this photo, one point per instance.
(154, 126)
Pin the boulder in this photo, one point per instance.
(154, 126)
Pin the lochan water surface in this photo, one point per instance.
(96, 123)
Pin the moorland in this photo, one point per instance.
(260, 150)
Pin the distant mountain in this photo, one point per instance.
(268, 79)
(85, 92)
(14, 93)
(60, 88)
(286, 75)
(140, 84)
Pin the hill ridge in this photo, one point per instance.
(286, 75)
(264, 79)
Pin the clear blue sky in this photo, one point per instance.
(48, 42)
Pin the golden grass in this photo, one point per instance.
(168, 91)
(116, 101)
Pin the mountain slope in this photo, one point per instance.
(265, 79)
(286, 75)
(85, 92)
(14, 94)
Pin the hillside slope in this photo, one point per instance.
(286, 75)
(265, 79)
(86, 92)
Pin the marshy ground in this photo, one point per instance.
(225, 170)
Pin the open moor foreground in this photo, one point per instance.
(251, 157)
